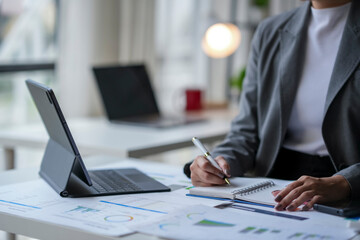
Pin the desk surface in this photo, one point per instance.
(98, 136)
(46, 230)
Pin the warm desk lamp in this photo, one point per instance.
(221, 40)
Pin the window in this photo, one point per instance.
(28, 30)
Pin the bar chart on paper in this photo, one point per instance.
(212, 223)
(259, 231)
(252, 231)
(111, 218)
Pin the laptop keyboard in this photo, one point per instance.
(110, 181)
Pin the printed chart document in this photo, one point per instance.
(37, 200)
(107, 215)
(203, 222)
(257, 190)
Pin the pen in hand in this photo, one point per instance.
(208, 156)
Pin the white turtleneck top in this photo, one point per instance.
(323, 39)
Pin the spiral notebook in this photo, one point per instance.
(257, 190)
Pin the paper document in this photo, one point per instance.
(269, 214)
(203, 222)
(106, 215)
(39, 201)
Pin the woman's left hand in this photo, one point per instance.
(312, 190)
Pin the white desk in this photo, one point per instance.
(98, 136)
(46, 230)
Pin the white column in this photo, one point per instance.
(216, 91)
(136, 32)
(88, 36)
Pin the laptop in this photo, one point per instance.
(128, 97)
(62, 166)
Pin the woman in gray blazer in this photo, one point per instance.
(299, 113)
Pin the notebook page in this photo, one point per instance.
(264, 196)
(237, 184)
(223, 191)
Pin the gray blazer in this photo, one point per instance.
(272, 78)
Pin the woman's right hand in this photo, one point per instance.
(204, 174)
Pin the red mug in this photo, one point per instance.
(193, 99)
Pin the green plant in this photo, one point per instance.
(261, 3)
(237, 80)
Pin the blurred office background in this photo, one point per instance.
(58, 41)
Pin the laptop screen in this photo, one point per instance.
(126, 91)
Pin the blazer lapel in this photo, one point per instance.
(292, 48)
(348, 57)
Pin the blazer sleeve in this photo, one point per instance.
(240, 145)
(352, 175)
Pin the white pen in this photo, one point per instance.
(208, 156)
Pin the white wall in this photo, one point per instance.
(89, 35)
